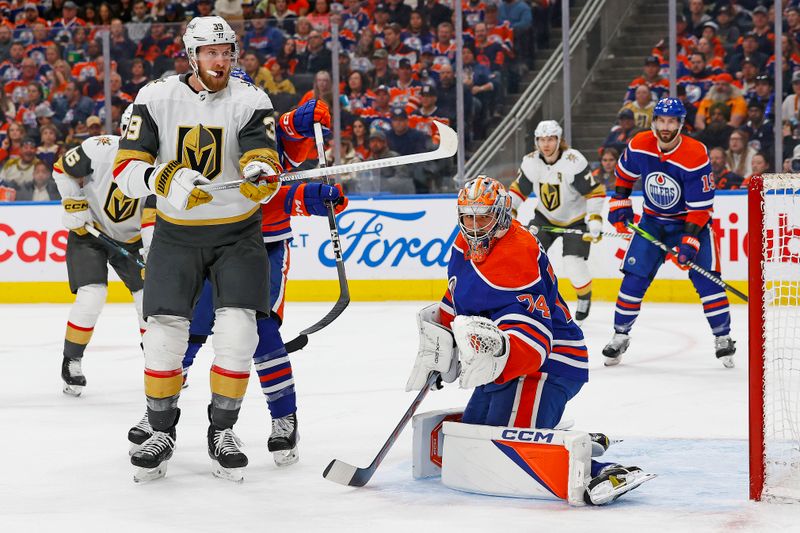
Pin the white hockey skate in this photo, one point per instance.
(283, 440)
(725, 347)
(227, 459)
(613, 482)
(72, 375)
(614, 349)
(152, 457)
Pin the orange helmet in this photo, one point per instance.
(482, 197)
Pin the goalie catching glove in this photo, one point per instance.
(437, 352)
(483, 350)
(178, 183)
(262, 180)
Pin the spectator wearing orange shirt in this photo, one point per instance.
(722, 91)
(658, 85)
(17, 89)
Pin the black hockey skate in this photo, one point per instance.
(227, 459)
(151, 458)
(283, 440)
(725, 348)
(613, 482)
(139, 433)
(614, 349)
(71, 373)
(582, 310)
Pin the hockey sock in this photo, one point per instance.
(715, 304)
(83, 314)
(162, 388)
(629, 302)
(274, 369)
(195, 343)
(227, 391)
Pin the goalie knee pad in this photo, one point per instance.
(577, 270)
(235, 338)
(83, 314)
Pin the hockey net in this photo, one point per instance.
(774, 327)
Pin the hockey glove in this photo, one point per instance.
(620, 212)
(263, 181)
(436, 353)
(300, 122)
(687, 251)
(594, 225)
(76, 214)
(178, 184)
(317, 195)
(483, 350)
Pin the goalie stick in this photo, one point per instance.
(700, 270)
(555, 229)
(301, 340)
(448, 145)
(113, 244)
(347, 474)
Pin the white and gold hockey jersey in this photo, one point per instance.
(86, 172)
(216, 134)
(566, 190)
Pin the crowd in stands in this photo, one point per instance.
(396, 64)
(725, 78)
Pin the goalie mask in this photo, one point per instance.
(484, 210)
(203, 31)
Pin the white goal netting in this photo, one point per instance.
(780, 241)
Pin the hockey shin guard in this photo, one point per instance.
(83, 315)
(715, 304)
(234, 341)
(274, 370)
(164, 346)
(629, 302)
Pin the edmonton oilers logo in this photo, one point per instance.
(662, 190)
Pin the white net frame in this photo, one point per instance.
(779, 304)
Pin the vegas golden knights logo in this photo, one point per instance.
(550, 196)
(119, 207)
(200, 148)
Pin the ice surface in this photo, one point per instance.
(66, 468)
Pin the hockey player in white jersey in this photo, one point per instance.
(186, 131)
(90, 196)
(569, 197)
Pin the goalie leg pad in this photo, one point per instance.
(522, 463)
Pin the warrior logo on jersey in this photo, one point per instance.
(200, 148)
(662, 190)
(119, 207)
(550, 195)
(451, 286)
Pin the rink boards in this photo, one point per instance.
(395, 248)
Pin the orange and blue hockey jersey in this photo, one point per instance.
(677, 185)
(516, 288)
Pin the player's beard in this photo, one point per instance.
(667, 136)
(213, 83)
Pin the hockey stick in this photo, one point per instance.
(700, 270)
(301, 340)
(346, 474)
(113, 244)
(571, 231)
(448, 145)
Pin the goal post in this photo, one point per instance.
(774, 336)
